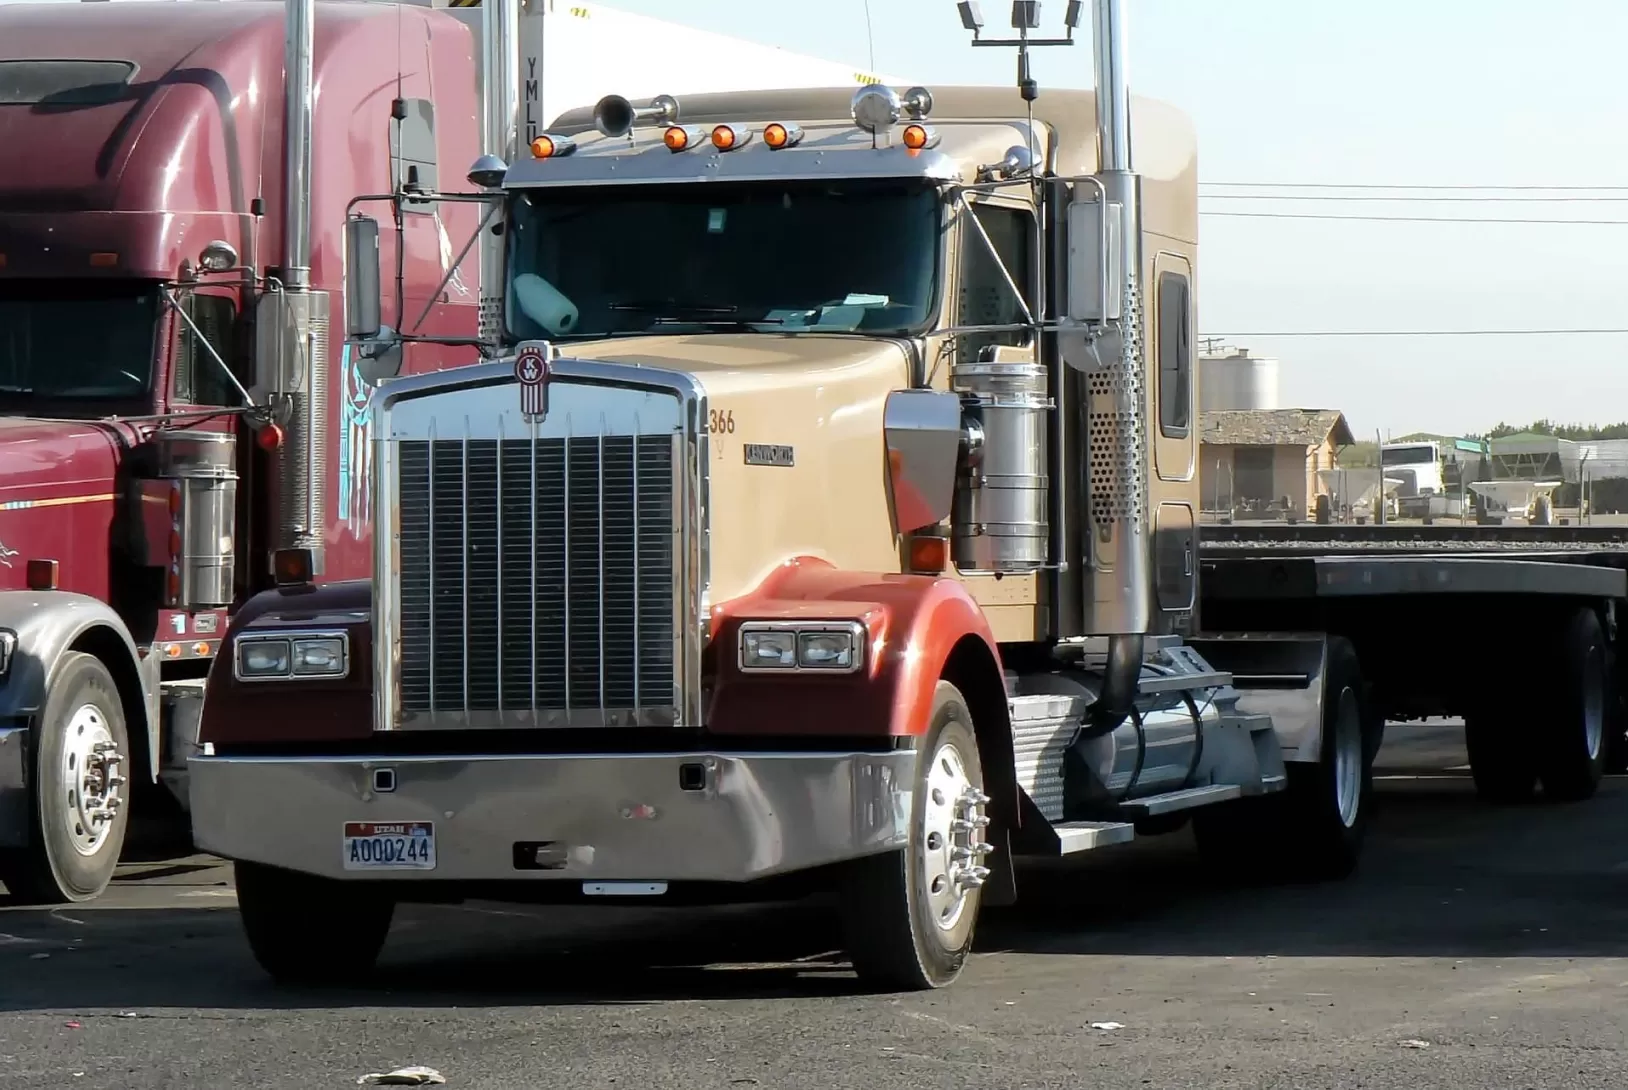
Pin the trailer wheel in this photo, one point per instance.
(909, 915)
(1572, 751)
(1313, 830)
(1328, 803)
(79, 816)
(310, 931)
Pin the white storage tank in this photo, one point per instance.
(1234, 379)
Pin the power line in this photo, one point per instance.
(1404, 199)
(1411, 219)
(1432, 188)
(1422, 333)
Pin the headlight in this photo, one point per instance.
(820, 646)
(292, 655)
(8, 648)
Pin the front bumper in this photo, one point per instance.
(14, 801)
(675, 817)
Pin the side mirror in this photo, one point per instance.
(1095, 246)
(362, 300)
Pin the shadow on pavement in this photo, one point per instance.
(1444, 876)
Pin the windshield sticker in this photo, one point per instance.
(715, 221)
(355, 444)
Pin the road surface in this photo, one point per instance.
(1477, 948)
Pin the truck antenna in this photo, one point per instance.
(870, 37)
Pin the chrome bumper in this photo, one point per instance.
(14, 803)
(604, 817)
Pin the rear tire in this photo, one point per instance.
(1571, 752)
(909, 915)
(1314, 830)
(311, 931)
(80, 790)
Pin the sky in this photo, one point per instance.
(1471, 95)
(1466, 93)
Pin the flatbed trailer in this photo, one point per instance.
(1512, 628)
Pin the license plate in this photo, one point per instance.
(401, 845)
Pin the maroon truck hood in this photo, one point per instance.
(57, 485)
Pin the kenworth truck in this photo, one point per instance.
(173, 406)
(826, 523)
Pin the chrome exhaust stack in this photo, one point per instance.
(1119, 581)
(500, 132)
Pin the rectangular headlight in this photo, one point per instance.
(826, 646)
(769, 649)
(263, 658)
(8, 648)
(322, 657)
(307, 655)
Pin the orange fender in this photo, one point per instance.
(914, 622)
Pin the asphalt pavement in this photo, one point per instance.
(1476, 948)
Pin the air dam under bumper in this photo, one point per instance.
(606, 817)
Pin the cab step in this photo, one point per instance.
(1172, 801)
(1082, 836)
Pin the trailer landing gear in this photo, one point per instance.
(909, 915)
(80, 773)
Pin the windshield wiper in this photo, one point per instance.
(673, 306)
(8, 389)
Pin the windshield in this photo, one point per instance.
(776, 257)
(1408, 456)
(77, 341)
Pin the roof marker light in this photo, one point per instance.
(549, 146)
(683, 137)
(919, 137)
(782, 135)
(730, 137)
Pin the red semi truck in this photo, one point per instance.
(173, 405)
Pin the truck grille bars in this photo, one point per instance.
(537, 576)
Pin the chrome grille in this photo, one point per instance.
(536, 580)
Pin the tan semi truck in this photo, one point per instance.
(825, 521)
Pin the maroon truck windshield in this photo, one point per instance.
(62, 341)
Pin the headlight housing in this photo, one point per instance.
(8, 648)
(291, 655)
(822, 647)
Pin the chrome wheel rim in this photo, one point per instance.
(1594, 701)
(952, 845)
(91, 786)
(1347, 758)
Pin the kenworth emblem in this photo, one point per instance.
(531, 371)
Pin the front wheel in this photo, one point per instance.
(310, 931)
(909, 915)
(79, 815)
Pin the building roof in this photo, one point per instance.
(1275, 427)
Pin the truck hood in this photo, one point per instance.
(751, 363)
(40, 459)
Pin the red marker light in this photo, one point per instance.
(270, 437)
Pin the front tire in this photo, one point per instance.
(910, 914)
(79, 818)
(1572, 751)
(310, 931)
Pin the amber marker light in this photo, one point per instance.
(929, 554)
(918, 137)
(728, 137)
(779, 136)
(552, 147)
(677, 138)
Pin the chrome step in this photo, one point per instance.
(1172, 801)
(1082, 836)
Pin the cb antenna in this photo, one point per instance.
(1025, 18)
